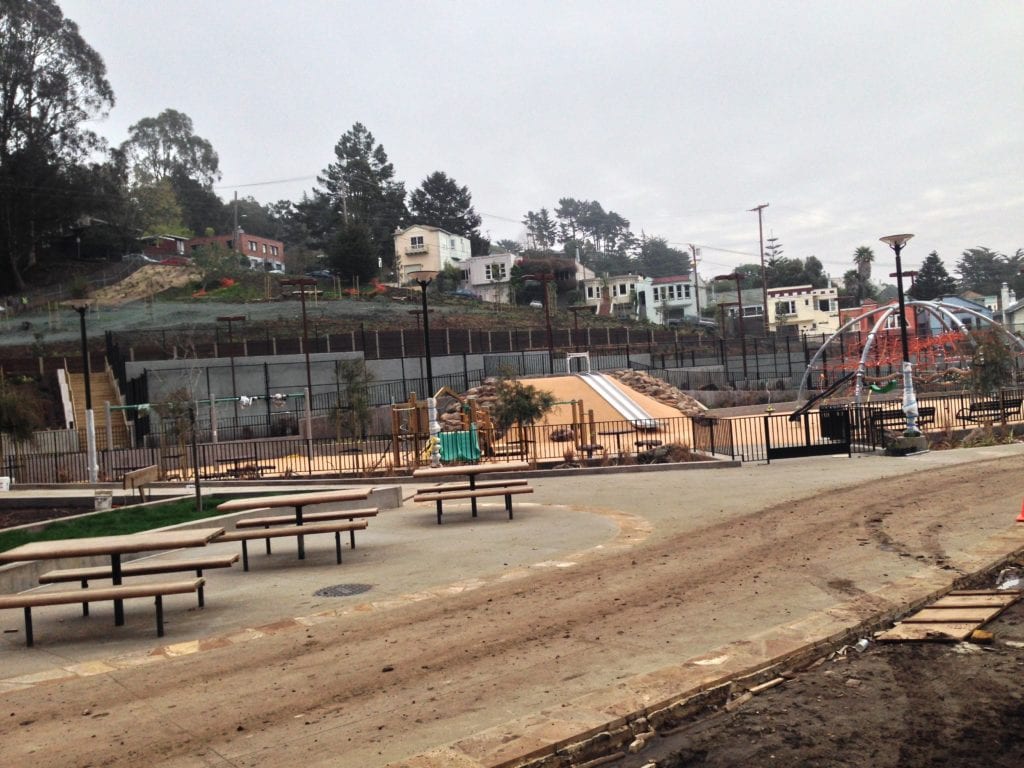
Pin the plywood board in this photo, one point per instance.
(954, 615)
(974, 601)
(937, 632)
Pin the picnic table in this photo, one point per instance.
(113, 547)
(471, 472)
(296, 500)
(244, 466)
(617, 433)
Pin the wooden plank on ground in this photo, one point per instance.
(954, 615)
(975, 601)
(935, 632)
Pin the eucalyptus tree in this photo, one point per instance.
(52, 82)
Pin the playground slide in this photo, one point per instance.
(619, 400)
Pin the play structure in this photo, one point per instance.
(412, 443)
(942, 357)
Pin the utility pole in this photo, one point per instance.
(696, 279)
(764, 274)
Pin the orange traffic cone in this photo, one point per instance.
(1020, 517)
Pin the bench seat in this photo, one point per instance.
(142, 568)
(990, 410)
(464, 486)
(30, 600)
(309, 517)
(441, 495)
(297, 531)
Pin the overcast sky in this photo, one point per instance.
(852, 120)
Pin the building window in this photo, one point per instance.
(465, 274)
(590, 291)
(622, 288)
(252, 246)
(273, 250)
(263, 246)
(451, 243)
(495, 271)
(416, 243)
(783, 308)
(686, 291)
(824, 305)
(755, 311)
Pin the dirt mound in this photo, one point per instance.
(145, 282)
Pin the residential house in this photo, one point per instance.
(162, 247)
(965, 310)
(728, 307)
(803, 309)
(674, 298)
(624, 296)
(490, 276)
(262, 253)
(866, 322)
(422, 247)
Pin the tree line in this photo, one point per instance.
(62, 184)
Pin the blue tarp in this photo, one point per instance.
(460, 446)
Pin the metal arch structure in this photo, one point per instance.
(943, 311)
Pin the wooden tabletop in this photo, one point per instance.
(472, 469)
(111, 545)
(294, 499)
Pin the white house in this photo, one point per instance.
(618, 296)
(422, 247)
(489, 276)
(808, 309)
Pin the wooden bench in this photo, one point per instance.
(297, 531)
(143, 568)
(441, 495)
(138, 479)
(990, 410)
(310, 517)
(466, 486)
(30, 600)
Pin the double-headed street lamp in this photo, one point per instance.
(897, 243)
(739, 300)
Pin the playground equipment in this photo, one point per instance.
(630, 411)
(935, 357)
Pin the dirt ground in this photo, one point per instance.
(892, 706)
(377, 688)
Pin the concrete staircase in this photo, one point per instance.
(102, 391)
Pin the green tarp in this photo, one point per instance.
(460, 446)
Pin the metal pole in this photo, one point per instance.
(426, 336)
(764, 273)
(90, 418)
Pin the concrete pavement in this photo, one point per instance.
(404, 557)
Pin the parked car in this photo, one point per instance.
(324, 274)
(537, 304)
(176, 261)
(465, 293)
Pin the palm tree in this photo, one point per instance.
(862, 258)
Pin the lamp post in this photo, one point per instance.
(897, 243)
(81, 307)
(303, 283)
(739, 301)
(416, 313)
(544, 278)
(230, 319)
(423, 278)
(576, 309)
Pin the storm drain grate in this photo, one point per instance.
(343, 590)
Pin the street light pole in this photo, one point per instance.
(90, 420)
(545, 278)
(423, 278)
(303, 283)
(739, 301)
(897, 243)
(231, 344)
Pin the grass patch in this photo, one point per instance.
(116, 522)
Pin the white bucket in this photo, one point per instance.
(5, 483)
(104, 499)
